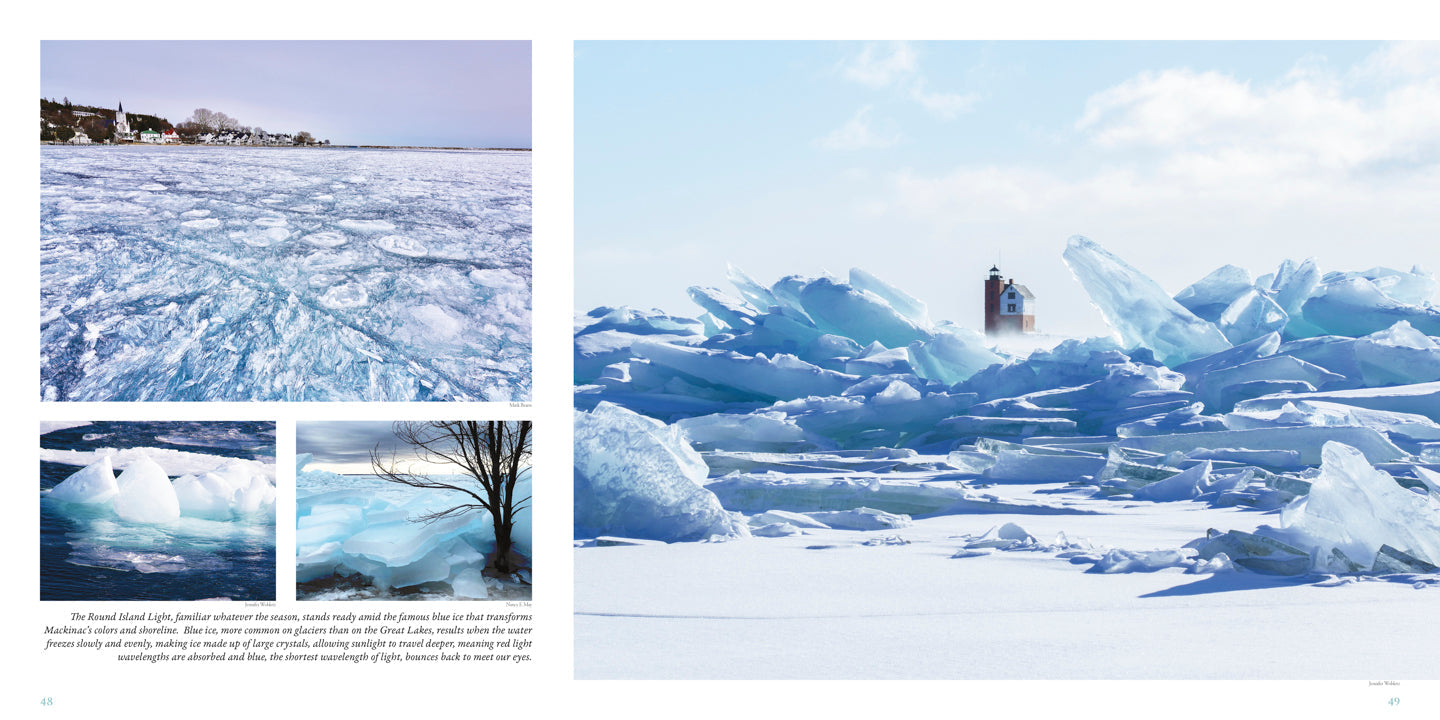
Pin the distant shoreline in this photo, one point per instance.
(292, 147)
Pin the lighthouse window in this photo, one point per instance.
(1011, 308)
(1012, 297)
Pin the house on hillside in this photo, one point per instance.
(170, 136)
(150, 136)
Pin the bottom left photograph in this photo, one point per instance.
(157, 510)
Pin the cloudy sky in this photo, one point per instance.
(344, 446)
(925, 163)
(430, 93)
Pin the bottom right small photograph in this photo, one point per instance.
(413, 510)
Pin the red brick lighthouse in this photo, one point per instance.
(1009, 308)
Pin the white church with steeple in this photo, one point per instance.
(122, 125)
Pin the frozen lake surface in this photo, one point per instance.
(815, 480)
(284, 274)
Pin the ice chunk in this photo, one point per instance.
(1260, 347)
(876, 360)
(970, 425)
(1308, 441)
(1416, 287)
(1274, 368)
(205, 496)
(1407, 426)
(1354, 306)
(1187, 419)
(1293, 284)
(1008, 536)
(1419, 399)
(899, 301)
(783, 377)
(145, 494)
(1254, 552)
(754, 293)
(94, 484)
(1136, 307)
(863, 518)
(810, 492)
(952, 355)
(761, 431)
(1398, 355)
(258, 496)
(780, 529)
(1118, 560)
(1356, 509)
(314, 563)
(470, 583)
(1033, 466)
(793, 519)
(402, 543)
(1210, 295)
(1252, 315)
(635, 476)
(860, 315)
(1187, 485)
(596, 350)
(724, 308)
(347, 295)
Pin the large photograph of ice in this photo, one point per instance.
(373, 244)
(433, 510)
(157, 510)
(1006, 361)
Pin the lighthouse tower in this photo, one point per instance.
(993, 285)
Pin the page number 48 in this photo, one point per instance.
(47, 701)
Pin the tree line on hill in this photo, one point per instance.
(59, 121)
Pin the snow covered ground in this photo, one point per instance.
(272, 274)
(815, 480)
(827, 605)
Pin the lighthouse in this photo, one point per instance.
(1009, 306)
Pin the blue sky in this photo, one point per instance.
(432, 93)
(925, 163)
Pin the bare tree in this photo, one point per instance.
(206, 120)
(490, 454)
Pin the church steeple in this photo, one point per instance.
(122, 124)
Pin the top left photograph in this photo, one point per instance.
(285, 221)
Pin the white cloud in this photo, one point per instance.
(856, 134)
(1402, 60)
(1311, 122)
(946, 105)
(1182, 171)
(896, 65)
(879, 67)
